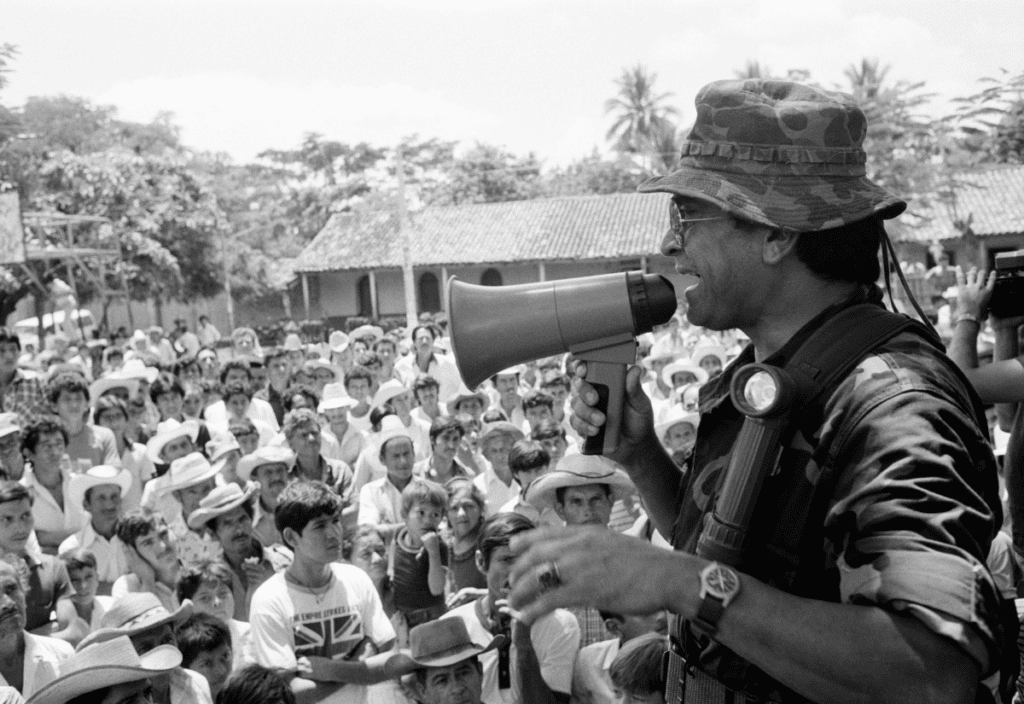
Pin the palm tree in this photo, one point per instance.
(638, 109)
(754, 69)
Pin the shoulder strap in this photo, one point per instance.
(839, 345)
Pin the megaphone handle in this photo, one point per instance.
(609, 380)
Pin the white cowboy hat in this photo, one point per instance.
(579, 470)
(335, 396)
(220, 501)
(218, 448)
(338, 341)
(518, 370)
(390, 427)
(270, 454)
(9, 423)
(683, 365)
(387, 391)
(662, 349)
(134, 613)
(116, 380)
(167, 431)
(709, 350)
(293, 343)
(676, 414)
(137, 369)
(366, 331)
(464, 393)
(101, 474)
(188, 471)
(106, 664)
(311, 365)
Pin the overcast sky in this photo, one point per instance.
(245, 75)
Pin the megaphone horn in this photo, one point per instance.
(597, 318)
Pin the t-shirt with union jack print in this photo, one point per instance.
(289, 621)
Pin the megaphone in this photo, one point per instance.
(596, 318)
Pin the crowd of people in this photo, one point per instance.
(186, 520)
(314, 510)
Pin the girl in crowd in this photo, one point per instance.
(465, 517)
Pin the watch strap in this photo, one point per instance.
(708, 614)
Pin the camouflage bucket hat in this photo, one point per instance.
(778, 153)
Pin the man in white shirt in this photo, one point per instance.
(538, 665)
(207, 332)
(423, 360)
(99, 491)
(380, 501)
(348, 441)
(496, 482)
(216, 414)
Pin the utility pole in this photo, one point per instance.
(405, 234)
(227, 281)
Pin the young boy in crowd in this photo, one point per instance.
(205, 645)
(637, 671)
(317, 620)
(149, 545)
(591, 679)
(81, 566)
(419, 558)
(208, 585)
(528, 460)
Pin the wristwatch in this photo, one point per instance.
(719, 585)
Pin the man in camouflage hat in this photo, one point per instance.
(886, 499)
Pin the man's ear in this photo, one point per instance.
(778, 244)
(290, 537)
(613, 626)
(480, 565)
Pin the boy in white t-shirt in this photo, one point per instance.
(317, 621)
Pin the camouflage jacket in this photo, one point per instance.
(886, 495)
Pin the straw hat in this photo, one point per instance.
(366, 331)
(116, 380)
(270, 454)
(663, 349)
(99, 475)
(709, 350)
(444, 642)
(135, 613)
(677, 414)
(501, 427)
(293, 343)
(387, 391)
(218, 448)
(335, 396)
(220, 501)
(137, 369)
(166, 432)
(9, 423)
(683, 365)
(338, 341)
(390, 427)
(463, 394)
(190, 470)
(518, 370)
(106, 664)
(579, 470)
(310, 366)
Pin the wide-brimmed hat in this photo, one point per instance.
(101, 474)
(105, 664)
(500, 427)
(518, 369)
(136, 369)
(292, 343)
(269, 454)
(9, 423)
(134, 613)
(310, 366)
(364, 331)
(683, 365)
(115, 380)
(390, 427)
(167, 431)
(190, 470)
(709, 350)
(387, 391)
(219, 501)
(463, 394)
(338, 341)
(218, 447)
(579, 470)
(675, 415)
(335, 396)
(444, 642)
(778, 153)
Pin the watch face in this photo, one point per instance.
(722, 581)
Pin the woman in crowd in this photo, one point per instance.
(465, 516)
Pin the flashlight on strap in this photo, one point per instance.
(765, 395)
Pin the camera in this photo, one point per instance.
(1008, 294)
